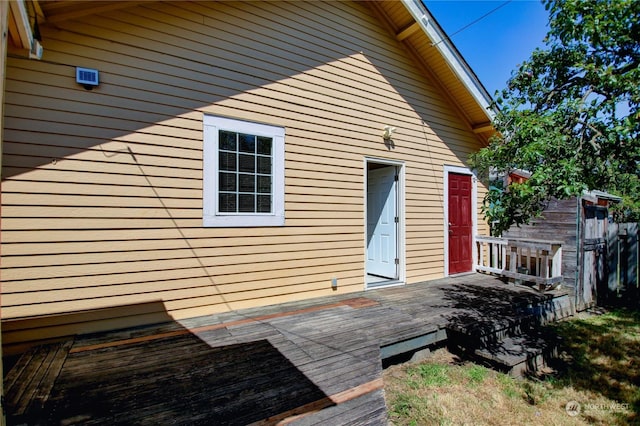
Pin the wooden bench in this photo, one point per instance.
(29, 383)
(522, 260)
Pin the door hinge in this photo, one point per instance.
(397, 261)
(396, 219)
(395, 178)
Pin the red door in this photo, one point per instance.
(460, 223)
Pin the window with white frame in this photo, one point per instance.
(243, 173)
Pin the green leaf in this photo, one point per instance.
(570, 114)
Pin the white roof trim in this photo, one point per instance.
(21, 16)
(457, 63)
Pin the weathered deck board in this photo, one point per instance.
(29, 383)
(310, 362)
(368, 409)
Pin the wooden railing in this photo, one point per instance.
(523, 260)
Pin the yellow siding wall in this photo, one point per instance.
(102, 189)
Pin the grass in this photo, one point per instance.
(599, 368)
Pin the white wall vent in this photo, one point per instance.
(87, 77)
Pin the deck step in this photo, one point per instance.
(516, 354)
(482, 333)
(520, 355)
(514, 342)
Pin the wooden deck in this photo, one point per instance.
(310, 362)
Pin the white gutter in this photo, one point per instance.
(449, 52)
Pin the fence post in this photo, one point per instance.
(614, 247)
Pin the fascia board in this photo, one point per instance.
(451, 55)
(21, 17)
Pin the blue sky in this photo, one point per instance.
(495, 45)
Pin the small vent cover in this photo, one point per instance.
(87, 76)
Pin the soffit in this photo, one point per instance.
(19, 23)
(425, 39)
(25, 15)
(62, 10)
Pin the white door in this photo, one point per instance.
(382, 222)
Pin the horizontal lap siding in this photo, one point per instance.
(102, 189)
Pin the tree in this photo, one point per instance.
(570, 115)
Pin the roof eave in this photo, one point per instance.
(452, 56)
(21, 33)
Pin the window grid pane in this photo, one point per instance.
(246, 184)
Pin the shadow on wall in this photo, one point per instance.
(102, 190)
(159, 103)
(18, 335)
(169, 374)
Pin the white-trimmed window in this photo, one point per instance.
(243, 173)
